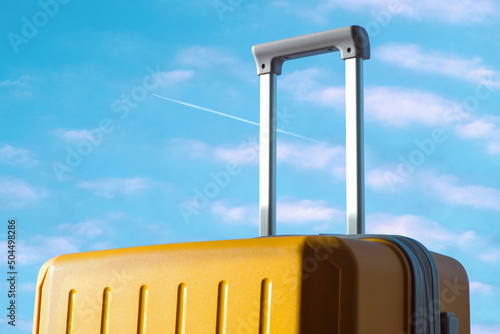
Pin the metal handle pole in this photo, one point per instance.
(267, 164)
(354, 146)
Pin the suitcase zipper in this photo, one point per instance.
(425, 313)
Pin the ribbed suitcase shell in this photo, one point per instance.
(272, 285)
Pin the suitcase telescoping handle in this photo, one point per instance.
(354, 46)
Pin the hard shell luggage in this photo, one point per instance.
(355, 283)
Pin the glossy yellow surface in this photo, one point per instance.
(275, 285)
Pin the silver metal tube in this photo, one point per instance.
(354, 146)
(267, 165)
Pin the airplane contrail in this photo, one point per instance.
(233, 117)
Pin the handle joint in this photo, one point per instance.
(352, 42)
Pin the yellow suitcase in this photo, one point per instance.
(278, 285)
(269, 285)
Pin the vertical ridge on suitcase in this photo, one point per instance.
(180, 321)
(71, 311)
(106, 296)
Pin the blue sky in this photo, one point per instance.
(92, 158)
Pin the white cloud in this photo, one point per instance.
(90, 234)
(491, 255)
(244, 214)
(41, 248)
(390, 106)
(333, 96)
(481, 288)
(110, 187)
(173, 78)
(14, 83)
(413, 57)
(303, 84)
(27, 287)
(19, 89)
(482, 329)
(74, 135)
(22, 326)
(450, 11)
(203, 56)
(289, 211)
(299, 212)
(433, 235)
(385, 179)
(22, 286)
(420, 228)
(193, 147)
(311, 155)
(16, 194)
(448, 189)
(485, 129)
(17, 156)
(102, 245)
(493, 147)
(243, 154)
(210, 58)
(89, 229)
(25, 325)
(404, 107)
(479, 128)
(301, 155)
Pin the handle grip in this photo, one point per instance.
(352, 42)
(354, 46)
